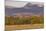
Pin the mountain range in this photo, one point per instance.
(28, 9)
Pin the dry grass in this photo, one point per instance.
(29, 26)
(34, 26)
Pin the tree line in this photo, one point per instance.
(18, 21)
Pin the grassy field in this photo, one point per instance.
(28, 26)
(16, 23)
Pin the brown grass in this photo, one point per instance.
(28, 26)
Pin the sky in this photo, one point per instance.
(18, 4)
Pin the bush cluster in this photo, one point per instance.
(18, 21)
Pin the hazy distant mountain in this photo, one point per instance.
(28, 9)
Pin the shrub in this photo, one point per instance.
(17, 20)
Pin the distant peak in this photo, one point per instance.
(29, 4)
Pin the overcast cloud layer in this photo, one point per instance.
(17, 4)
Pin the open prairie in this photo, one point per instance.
(28, 26)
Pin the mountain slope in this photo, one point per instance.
(29, 8)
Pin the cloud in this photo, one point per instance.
(18, 4)
(15, 4)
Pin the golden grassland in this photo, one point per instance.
(17, 23)
(27, 26)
